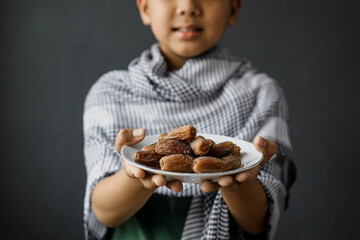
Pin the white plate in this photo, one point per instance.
(250, 157)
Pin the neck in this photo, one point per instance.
(173, 61)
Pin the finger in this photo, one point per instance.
(158, 180)
(267, 147)
(175, 186)
(133, 172)
(208, 186)
(129, 137)
(225, 181)
(153, 181)
(242, 177)
(247, 176)
(228, 183)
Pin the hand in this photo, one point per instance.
(149, 181)
(232, 183)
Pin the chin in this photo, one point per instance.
(192, 52)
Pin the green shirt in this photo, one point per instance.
(155, 220)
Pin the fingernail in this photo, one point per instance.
(137, 132)
(262, 142)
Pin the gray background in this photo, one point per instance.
(53, 51)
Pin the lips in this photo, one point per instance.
(187, 32)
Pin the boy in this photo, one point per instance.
(184, 79)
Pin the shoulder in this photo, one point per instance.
(257, 80)
(247, 75)
(266, 92)
(107, 86)
(110, 81)
(270, 97)
(105, 99)
(261, 83)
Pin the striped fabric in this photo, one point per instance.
(215, 92)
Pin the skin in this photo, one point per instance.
(208, 19)
(205, 22)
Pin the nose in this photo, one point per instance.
(188, 8)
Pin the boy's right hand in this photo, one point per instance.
(131, 137)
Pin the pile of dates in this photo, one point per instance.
(181, 150)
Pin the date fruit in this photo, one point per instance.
(177, 163)
(210, 142)
(181, 150)
(221, 149)
(148, 158)
(210, 164)
(234, 158)
(200, 146)
(163, 136)
(168, 147)
(183, 133)
(149, 147)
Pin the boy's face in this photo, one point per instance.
(187, 28)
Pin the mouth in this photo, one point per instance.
(187, 29)
(188, 32)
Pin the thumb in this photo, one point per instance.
(267, 147)
(129, 137)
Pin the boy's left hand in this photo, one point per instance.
(232, 183)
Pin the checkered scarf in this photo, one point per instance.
(215, 92)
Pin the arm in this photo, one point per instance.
(244, 195)
(118, 197)
(248, 205)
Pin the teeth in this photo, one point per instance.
(187, 29)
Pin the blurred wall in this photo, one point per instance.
(53, 51)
